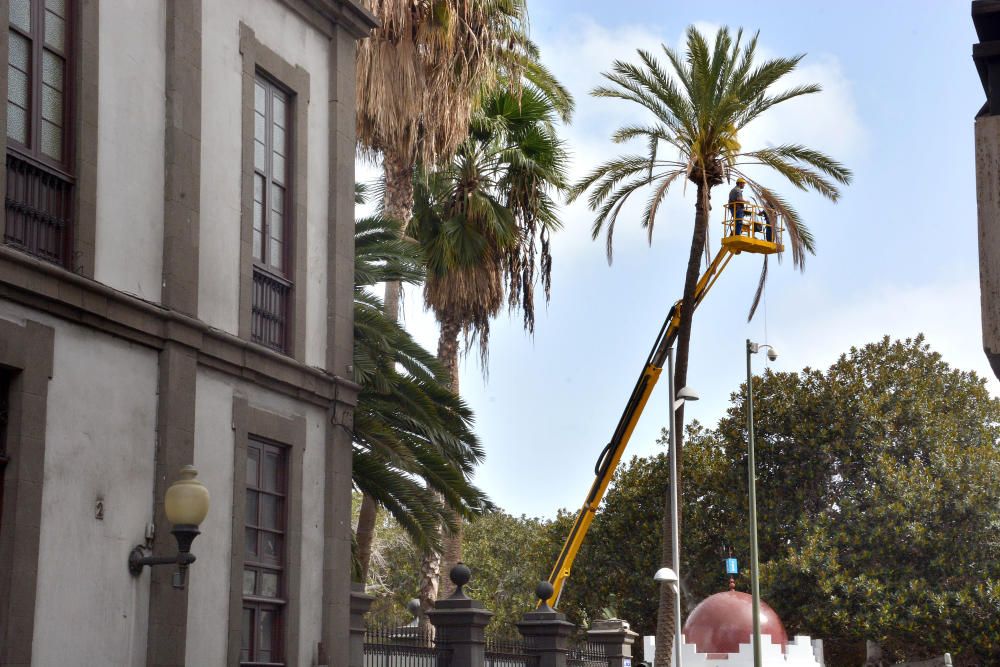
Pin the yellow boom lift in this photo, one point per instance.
(757, 230)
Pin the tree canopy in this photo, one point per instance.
(878, 502)
(878, 491)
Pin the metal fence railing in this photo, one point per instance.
(587, 655)
(407, 646)
(509, 653)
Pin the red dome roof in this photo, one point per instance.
(725, 620)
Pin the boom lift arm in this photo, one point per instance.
(740, 235)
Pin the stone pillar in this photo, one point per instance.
(616, 638)
(460, 623)
(360, 603)
(546, 632)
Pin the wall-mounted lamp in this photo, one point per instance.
(186, 505)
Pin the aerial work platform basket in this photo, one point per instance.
(752, 228)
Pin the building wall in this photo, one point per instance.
(300, 44)
(138, 389)
(210, 578)
(99, 430)
(131, 121)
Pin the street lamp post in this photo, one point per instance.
(753, 348)
(677, 399)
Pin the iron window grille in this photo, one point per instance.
(269, 310)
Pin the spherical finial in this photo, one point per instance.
(460, 574)
(413, 607)
(544, 590)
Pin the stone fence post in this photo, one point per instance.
(546, 631)
(460, 623)
(617, 638)
(360, 603)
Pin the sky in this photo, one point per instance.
(896, 256)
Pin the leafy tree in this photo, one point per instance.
(508, 556)
(414, 448)
(700, 106)
(878, 508)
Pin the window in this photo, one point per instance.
(264, 596)
(39, 184)
(273, 195)
(271, 166)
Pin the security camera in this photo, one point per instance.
(771, 354)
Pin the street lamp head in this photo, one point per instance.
(186, 501)
(665, 574)
(687, 394)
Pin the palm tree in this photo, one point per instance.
(414, 447)
(483, 222)
(420, 76)
(699, 107)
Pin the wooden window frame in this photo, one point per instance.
(259, 60)
(251, 424)
(79, 166)
(271, 89)
(259, 564)
(32, 151)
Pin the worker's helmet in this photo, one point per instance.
(741, 181)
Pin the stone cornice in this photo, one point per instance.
(66, 295)
(327, 14)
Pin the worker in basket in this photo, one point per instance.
(768, 217)
(736, 204)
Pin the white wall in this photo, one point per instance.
(208, 593)
(100, 437)
(298, 43)
(208, 601)
(131, 122)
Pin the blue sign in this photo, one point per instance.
(731, 566)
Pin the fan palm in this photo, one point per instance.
(419, 77)
(700, 105)
(414, 448)
(483, 222)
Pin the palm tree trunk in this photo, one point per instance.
(365, 534)
(452, 540)
(398, 205)
(665, 617)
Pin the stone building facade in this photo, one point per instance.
(176, 276)
(986, 55)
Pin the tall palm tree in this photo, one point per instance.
(483, 222)
(414, 447)
(419, 77)
(699, 107)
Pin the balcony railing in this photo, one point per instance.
(39, 205)
(269, 312)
